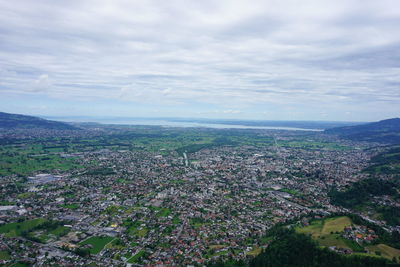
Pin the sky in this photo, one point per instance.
(265, 60)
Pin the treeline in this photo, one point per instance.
(360, 192)
(289, 248)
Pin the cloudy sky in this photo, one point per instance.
(271, 59)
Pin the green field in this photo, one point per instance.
(314, 229)
(72, 206)
(254, 252)
(385, 251)
(198, 222)
(136, 257)
(142, 232)
(46, 235)
(176, 220)
(164, 212)
(335, 224)
(15, 229)
(19, 264)
(116, 244)
(4, 255)
(326, 233)
(135, 229)
(325, 227)
(97, 242)
(27, 159)
(291, 191)
(38, 230)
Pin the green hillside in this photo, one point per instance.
(16, 121)
(385, 131)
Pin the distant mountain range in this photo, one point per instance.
(385, 131)
(16, 121)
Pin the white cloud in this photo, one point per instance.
(226, 53)
(41, 84)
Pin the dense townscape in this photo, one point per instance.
(200, 133)
(147, 204)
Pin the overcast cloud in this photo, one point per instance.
(317, 60)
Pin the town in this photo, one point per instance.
(148, 204)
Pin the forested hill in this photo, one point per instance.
(291, 249)
(16, 121)
(385, 131)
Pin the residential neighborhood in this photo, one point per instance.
(142, 207)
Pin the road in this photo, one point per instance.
(186, 159)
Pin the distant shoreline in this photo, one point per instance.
(314, 126)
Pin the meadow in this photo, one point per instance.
(97, 243)
(328, 233)
(16, 229)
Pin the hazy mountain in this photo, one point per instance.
(385, 131)
(16, 121)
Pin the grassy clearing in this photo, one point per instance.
(23, 162)
(116, 244)
(25, 195)
(135, 228)
(385, 251)
(72, 206)
(176, 220)
(291, 191)
(327, 233)
(38, 230)
(164, 212)
(59, 231)
(217, 246)
(136, 257)
(19, 264)
(161, 212)
(198, 222)
(4, 255)
(335, 224)
(142, 232)
(97, 242)
(254, 252)
(353, 245)
(54, 234)
(15, 229)
(314, 229)
(332, 240)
